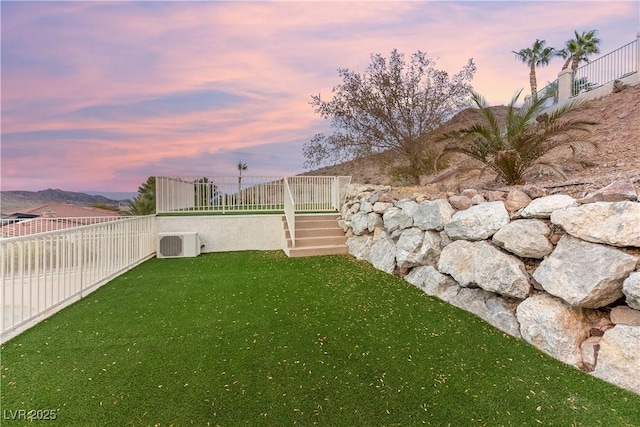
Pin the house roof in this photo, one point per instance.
(62, 210)
(52, 217)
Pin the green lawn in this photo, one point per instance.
(256, 338)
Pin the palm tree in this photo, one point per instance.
(535, 56)
(241, 167)
(145, 202)
(527, 135)
(579, 49)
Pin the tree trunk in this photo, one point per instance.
(533, 82)
(415, 169)
(574, 63)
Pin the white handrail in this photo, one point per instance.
(290, 211)
(224, 194)
(22, 227)
(42, 273)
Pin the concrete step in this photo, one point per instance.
(317, 250)
(316, 235)
(302, 242)
(316, 232)
(314, 221)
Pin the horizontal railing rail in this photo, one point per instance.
(617, 64)
(42, 273)
(249, 194)
(23, 227)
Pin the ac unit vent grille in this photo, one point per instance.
(178, 244)
(171, 245)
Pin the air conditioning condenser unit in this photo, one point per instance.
(178, 244)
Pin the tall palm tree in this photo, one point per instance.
(241, 167)
(535, 56)
(579, 49)
(527, 135)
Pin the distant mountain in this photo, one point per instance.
(12, 201)
(115, 195)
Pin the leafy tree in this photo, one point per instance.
(582, 85)
(579, 49)
(106, 207)
(535, 56)
(205, 192)
(145, 202)
(393, 106)
(527, 135)
(551, 91)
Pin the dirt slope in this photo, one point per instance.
(618, 155)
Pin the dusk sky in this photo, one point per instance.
(100, 95)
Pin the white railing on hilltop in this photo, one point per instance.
(618, 64)
(550, 92)
(42, 273)
(231, 194)
(593, 79)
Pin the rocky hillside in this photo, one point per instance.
(617, 156)
(11, 201)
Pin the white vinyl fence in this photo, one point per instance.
(43, 273)
(229, 194)
(618, 64)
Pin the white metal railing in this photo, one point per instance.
(42, 273)
(618, 64)
(341, 188)
(550, 92)
(290, 212)
(228, 194)
(218, 194)
(23, 227)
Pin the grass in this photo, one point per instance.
(255, 338)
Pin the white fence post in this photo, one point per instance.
(638, 57)
(565, 85)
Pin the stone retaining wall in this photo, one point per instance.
(561, 273)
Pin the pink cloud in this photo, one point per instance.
(64, 60)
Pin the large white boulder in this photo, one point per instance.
(491, 308)
(612, 223)
(480, 264)
(433, 283)
(395, 219)
(478, 222)
(359, 246)
(458, 259)
(526, 238)
(374, 221)
(382, 207)
(382, 254)
(433, 215)
(554, 327)
(584, 274)
(618, 359)
(544, 206)
(416, 247)
(359, 223)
